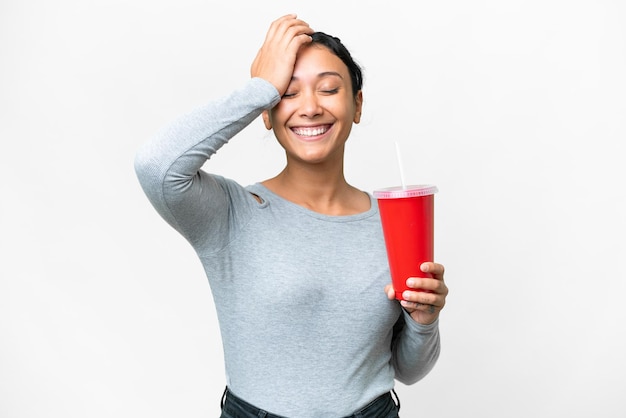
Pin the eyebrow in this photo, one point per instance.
(329, 73)
(324, 74)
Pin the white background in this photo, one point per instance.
(514, 109)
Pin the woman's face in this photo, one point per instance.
(313, 120)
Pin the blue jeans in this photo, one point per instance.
(234, 407)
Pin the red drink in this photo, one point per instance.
(407, 216)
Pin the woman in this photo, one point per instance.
(296, 263)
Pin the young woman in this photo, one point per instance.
(296, 263)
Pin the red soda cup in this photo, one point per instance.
(407, 217)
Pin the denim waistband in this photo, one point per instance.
(237, 407)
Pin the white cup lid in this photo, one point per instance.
(397, 192)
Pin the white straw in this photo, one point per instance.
(400, 165)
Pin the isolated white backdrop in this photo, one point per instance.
(514, 109)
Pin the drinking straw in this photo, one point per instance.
(400, 166)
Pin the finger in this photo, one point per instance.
(290, 21)
(423, 298)
(391, 293)
(297, 41)
(276, 24)
(288, 27)
(416, 306)
(437, 270)
(286, 39)
(296, 36)
(425, 284)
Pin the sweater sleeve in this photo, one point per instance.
(415, 349)
(169, 165)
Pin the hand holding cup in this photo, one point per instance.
(426, 297)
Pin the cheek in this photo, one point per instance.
(283, 108)
(343, 107)
(344, 112)
(277, 117)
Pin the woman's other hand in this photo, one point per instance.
(277, 56)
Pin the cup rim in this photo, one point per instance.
(414, 190)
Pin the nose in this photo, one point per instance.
(310, 105)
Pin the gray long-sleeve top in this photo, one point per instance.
(306, 327)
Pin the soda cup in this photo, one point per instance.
(407, 217)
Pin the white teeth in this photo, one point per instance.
(310, 131)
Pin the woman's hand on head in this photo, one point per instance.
(276, 58)
(429, 298)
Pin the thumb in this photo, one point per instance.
(391, 293)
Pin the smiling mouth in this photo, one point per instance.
(311, 131)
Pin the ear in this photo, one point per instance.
(358, 100)
(266, 120)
